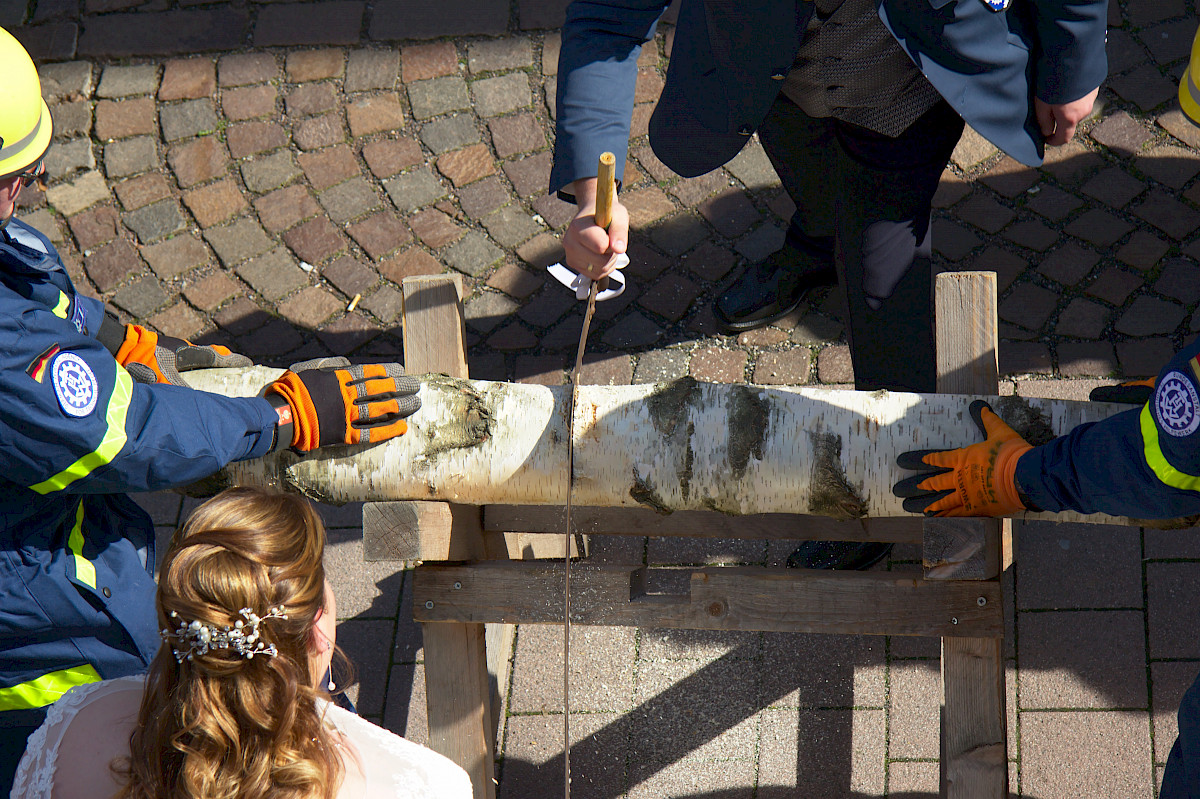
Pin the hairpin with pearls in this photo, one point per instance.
(194, 638)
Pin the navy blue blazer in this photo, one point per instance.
(729, 58)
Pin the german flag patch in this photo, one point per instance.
(1195, 364)
(37, 369)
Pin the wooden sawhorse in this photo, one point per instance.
(959, 598)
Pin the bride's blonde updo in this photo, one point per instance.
(218, 724)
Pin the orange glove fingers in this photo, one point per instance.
(140, 346)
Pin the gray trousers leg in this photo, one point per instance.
(873, 194)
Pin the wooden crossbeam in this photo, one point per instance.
(723, 598)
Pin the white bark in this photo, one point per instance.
(678, 446)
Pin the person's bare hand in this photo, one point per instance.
(1058, 121)
(591, 250)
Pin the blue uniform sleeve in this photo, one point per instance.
(1071, 59)
(1143, 463)
(71, 418)
(597, 74)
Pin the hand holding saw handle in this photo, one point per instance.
(595, 242)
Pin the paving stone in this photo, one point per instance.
(175, 256)
(119, 81)
(315, 240)
(124, 118)
(273, 275)
(1145, 87)
(236, 242)
(450, 133)
(241, 317)
(1072, 163)
(677, 234)
(249, 102)
(425, 61)
(492, 55)
(606, 369)
(215, 202)
(1174, 121)
(1053, 203)
(1144, 358)
(1149, 316)
(1028, 306)
(787, 368)
(414, 190)
(246, 68)
(670, 297)
(512, 337)
(1119, 757)
(71, 118)
(467, 165)
(142, 190)
(434, 228)
(311, 99)
(349, 200)
(317, 132)
(730, 212)
(1168, 214)
(1121, 133)
(540, 370)
(270, 171)
(1024, 358)
(1169, 165)
(541, 251)
(202, 160)
(210, 292)
(251, 138)
(487, 310)
(1143, 250)
(1114, 285)
(501, 94)
(130, 156)
(986, 213)
(554, 211)
(156, 221)
(1086, 359)
(386, 158)
(529, 175)
(761, 243)
(1098, 227)
(1032, 234)
(690, 191)
(44, 221)
(410, 19)
(716, 365)
(1082, 319)
(283, 208)
(635, 330)
(1069, 263)
(109, 265)
(372, 69)
(272, 341)
(67, 158)
(329, 167)
(311, 307)
(385, 304)
(437, 96)
(187, 119)
(519, 133)
(413, 261)
(379, 234)
(374, 114)
(349, 276)
(659, 366)
(1178, 279)
(1079, 566)
(329, 22)
(179, 321)
(142, 298)
(73, 78)
(1114, 187)
(472, 254)
(126, 35)
(308, 65)
(515, 281)
(1009, 177)
(510, 226)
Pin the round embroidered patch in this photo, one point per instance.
(74, 384)
(1177, 405)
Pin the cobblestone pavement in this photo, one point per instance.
(264, 174)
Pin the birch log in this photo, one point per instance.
(683, 445)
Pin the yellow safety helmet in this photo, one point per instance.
(25, 126)
(1189, 91)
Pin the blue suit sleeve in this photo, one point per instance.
(71, 418)
(1143, 463)
(597, 74)
(1071, 59)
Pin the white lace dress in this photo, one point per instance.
(391, 765)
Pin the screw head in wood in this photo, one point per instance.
(429, 604)
(954, 620)
(458, 586)
(981, 601)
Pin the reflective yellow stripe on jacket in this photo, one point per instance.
(114, 439)
(47, 689)
(85, 572)
(1158, 462)
(64, 305)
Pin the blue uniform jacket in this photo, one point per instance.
(76, 595)
(729, 58)
(1142, 463)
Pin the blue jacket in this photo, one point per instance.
(76, 554)
(729, 57)
(1142, 463)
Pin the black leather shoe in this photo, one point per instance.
(771, 289)
(840, 555)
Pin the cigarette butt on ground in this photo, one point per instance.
(354, 302)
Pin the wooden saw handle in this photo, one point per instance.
(606, 192)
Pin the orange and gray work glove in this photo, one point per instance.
(973, 481)
(328, 401)
(152, 358)
(1133, 392)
